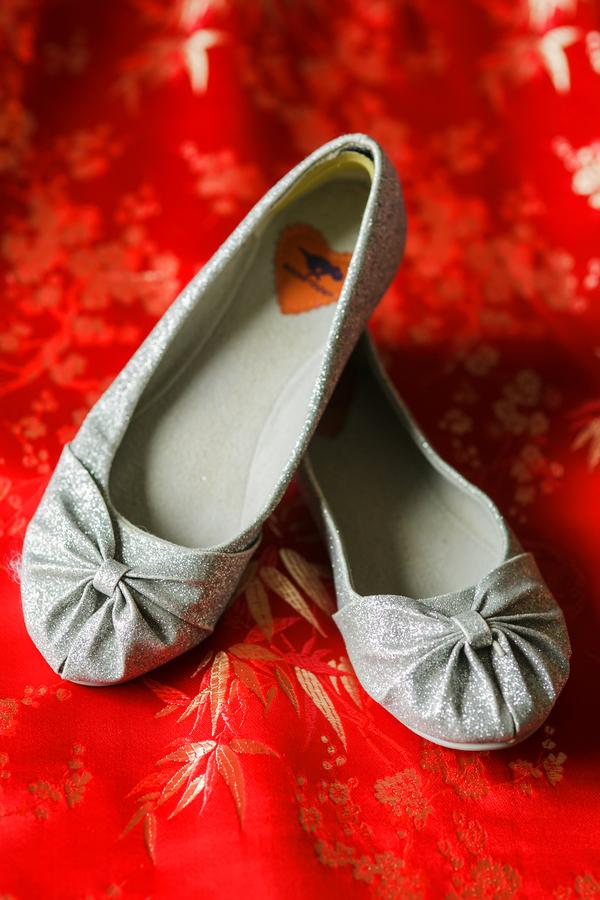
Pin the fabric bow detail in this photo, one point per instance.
(477, 666)
(96, 618)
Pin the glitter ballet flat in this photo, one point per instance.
(157, 505)
(479, 663)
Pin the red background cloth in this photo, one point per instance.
(133, 137)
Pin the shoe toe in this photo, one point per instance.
(480, 667)
(98, 619)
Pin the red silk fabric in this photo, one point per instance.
(133, 138)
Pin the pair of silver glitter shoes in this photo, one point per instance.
(156, 507)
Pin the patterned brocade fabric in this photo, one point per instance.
(134, 136)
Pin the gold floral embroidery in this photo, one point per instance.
(42, 792)
(584, 885)
(471, 834)
(335, 812)
(310, 819)
(8, 717)
(4, 770)
(523, 771)
(385, 870)
(402, 792)
(73, 786)
(550, 765)
(9, 708)
(463, 772)
(488, 878)
(113, 892)
(553, 767)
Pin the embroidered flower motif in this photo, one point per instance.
(403, 793)
(310, 819)
(8, 717)
(489, 878)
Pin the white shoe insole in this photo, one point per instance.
(199, 462)
(406, 529)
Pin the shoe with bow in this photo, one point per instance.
(157, 505)
(479, 662)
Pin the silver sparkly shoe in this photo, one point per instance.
(479, 663)
(157, 505)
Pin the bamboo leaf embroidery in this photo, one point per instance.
(200, 696)
(166, 711)
(287, 687)
(155, 780)
(231, 772)
(304, 574)
(219, 676)
(150, 834)
(170, 695)
(283, 587)
(271, 694)
(349, 680)
(175, 782)
(243, 745)
(189, 753)
(138, 816)
(260, 608)
(252, 651)
(204, 662)
(190, 793)
(247, 675)
(320, 698)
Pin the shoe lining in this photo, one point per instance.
(218, 423)
(405, 527)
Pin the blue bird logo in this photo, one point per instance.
(318, 266)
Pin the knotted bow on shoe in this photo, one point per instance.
(482, 665)
(96, 618)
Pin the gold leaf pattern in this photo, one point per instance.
(243, 745)
(170, 695)
(247, 675)
(260, 608)
(190, 793)
(150, 834)
(252, 651)
(197, 700)
(287, 687)
(156, 779)
(333, 678)
(349, 680)
(205, 662)
(231, 772)
(173, 785)
(352, 688)
(271, 694)
(219, 677)
(303, 572)
(138, 816)
(189, 753)
(283, 587)
(320, 698)
(166, 711)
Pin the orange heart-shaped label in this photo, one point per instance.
(308, 273)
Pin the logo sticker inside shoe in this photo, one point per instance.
(307, 272)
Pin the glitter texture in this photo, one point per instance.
(473, 669)
(166, 598)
